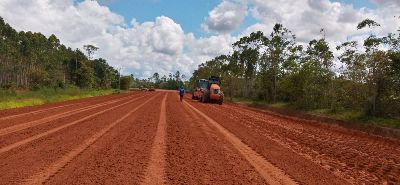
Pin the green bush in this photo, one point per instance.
(126, 82)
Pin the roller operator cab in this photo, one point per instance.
(213, 91)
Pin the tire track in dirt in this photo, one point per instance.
(43, 176)
(349, 155)
(22, 126)
(42, 115)
(268, 171)
(37, 111)
(30, 139)
(246, 175)
(285, 141)
(120, 156)
(198, 154)
(155, 172)
(300, 168)
(9, 139)
(294, 145)
(41, 153)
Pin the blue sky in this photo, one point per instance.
(359, 3)
(190, 14)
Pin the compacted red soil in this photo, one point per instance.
(153, 138)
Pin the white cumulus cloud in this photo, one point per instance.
(226, 17)
(139, 48)
(163, 46)
(306, 17)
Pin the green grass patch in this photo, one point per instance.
(282, 105)
(342, 114)
(386, 122)
(358, 116)
(13, 99)
(237, 100)
(349, 115)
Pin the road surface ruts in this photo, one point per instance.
(349, 155)
(196, 154)
(46, 150)
(70, 113)
(151, 135)
(29, 110)
(24, 116)
(270, 173)
(33, 131)
(155, 170)
(128, 119)
(298, 167)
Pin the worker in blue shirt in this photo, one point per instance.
(181, 93)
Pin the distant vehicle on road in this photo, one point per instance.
(142, 88)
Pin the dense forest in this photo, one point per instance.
(275, 68)
(32, 61)
(171, 82)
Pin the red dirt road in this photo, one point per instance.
(152, 138)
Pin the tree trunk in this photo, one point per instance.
(274, 89)
(333, 97)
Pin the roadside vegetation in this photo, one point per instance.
(35, 69)
(357, 116)
(361, 84)
(21, 98)
(170, 82)
(32, 61)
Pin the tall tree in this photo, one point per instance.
(90, 49)
(279, 49)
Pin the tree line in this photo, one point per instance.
(31, 61)
(275, 68)
(171, 82)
